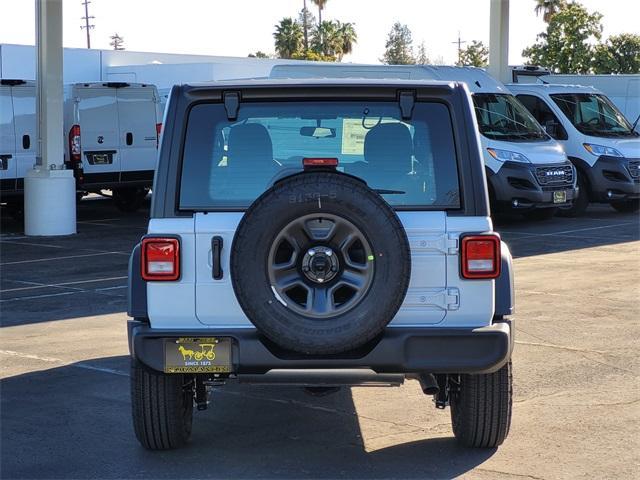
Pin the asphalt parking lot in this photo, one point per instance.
(65, 409)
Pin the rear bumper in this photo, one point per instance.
(398, 350)
(614, 178)
(516, 186)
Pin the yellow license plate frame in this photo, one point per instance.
(198, 355)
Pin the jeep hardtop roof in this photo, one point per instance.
(453, 93)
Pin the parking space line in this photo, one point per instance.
(32, 244)
(561, 233)
(60, 294)
(35, 285)
(64, 258)
(33, 297)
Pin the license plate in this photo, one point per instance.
(560, 197)
(198, 355)
(100, 159)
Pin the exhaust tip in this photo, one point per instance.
(428, 384)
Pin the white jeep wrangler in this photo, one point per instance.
(322, 233)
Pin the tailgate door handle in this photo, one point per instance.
(216, 249)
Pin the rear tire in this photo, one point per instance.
(540, 214)
(162, 407)
(626, 206)
(481, 408)
(580, 203)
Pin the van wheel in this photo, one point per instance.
(481, 408)
(162, 407)
(580, 203)
(129, 199)
(540, 214)
(626, 206)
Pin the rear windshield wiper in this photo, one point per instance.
(382, 191)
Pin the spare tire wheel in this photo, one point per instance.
(320, 263)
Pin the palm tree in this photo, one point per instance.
(348, 37)
(326, 39)
(289, 37)
(549, 8)
(320, 4)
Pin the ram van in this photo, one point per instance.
(527, 170)
(598, 139)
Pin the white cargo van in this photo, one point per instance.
(527, 170)
(622, 89)
(598, 139)
(17, 139)
(112, 133)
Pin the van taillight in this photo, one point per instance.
(160, 259)
(75, 144)
(158, 132)
(480, 256)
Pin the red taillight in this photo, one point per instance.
(480, 256)
(160, 259)
(158, 132)
(320, 162)
(75, 144)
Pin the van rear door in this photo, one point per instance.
(7, 141)
(138, 136)
(24, 107)
(98, 119)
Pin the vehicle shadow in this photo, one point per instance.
(69, 276)
(74, 422)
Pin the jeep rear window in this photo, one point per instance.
(227, 165)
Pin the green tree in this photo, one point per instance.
(259, 54)
(421, 57)
(567, 45)
(288, 38)
(348, 37)
(549, 8)
(619, 54)
(307, 19)
(117, 42)
(399, 46)
(475, 55)
(326, 39)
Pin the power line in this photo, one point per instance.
(459, 42)
(87, 18)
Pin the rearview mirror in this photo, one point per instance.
(318, 132)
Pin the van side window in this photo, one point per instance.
(544, 116)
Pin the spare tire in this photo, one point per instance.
(320, 263)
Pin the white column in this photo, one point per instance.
(499, 41)
(49, 190)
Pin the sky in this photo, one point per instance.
(238, 27)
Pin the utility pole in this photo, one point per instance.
(459, 42)
(87, 18)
